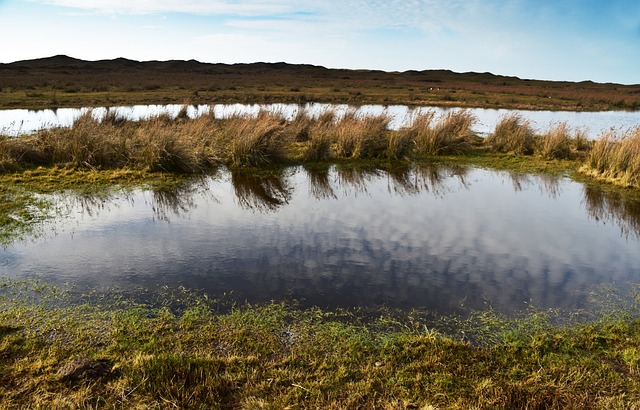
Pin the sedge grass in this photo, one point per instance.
(559, 142)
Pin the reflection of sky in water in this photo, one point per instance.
(465, 235)
(14, 122)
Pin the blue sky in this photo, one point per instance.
(571, 40)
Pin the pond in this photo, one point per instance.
(421, 236)
(19, 121)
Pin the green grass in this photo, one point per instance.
(184, 350)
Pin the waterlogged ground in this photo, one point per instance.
(426, 237)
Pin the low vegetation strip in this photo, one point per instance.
(186, 351)
(185, 145)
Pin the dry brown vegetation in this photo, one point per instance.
(616, 158)
(62, 81)
(186, 145)
(512, 134)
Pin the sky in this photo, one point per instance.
(567, 40)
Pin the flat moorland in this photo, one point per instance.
(62, 81)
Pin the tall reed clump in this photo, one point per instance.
(299, 128)
(403, 142)
(361, 137)
(321, 135)
(616, 158)
(87, 143)
(557, 142)
(161, 146)
(255, 141)
(512, 134)
(452, 134)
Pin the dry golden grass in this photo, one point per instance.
(560, 143)
(256, 141)
(361, 136)
(512, 134)
(616, 158)
(451, 134)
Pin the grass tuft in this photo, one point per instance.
(616, 158)
(559, 143)
(361, 137)
(451, 134)
(512, 134)
(256, 142)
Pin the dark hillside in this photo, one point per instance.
(66, 81)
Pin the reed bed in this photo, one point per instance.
(451, 134)
(256, 141)
(616, 158)
(559, 142)
(322, 133)
(361, 136)
(513, 134)
(196, 145)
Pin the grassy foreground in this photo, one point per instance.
(186, 351)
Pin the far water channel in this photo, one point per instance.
(423, 236)
(21, 121)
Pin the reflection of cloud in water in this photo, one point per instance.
(420, 236)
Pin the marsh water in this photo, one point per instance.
(421, 236)
(21, 121)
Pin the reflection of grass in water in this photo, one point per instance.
(621, 208)
(262, 191)
(355, 178)
(26, 200)
(319, 183)
(186, 350)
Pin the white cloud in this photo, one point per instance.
(202, 7)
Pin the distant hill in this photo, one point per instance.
(78, 82)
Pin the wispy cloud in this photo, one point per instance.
(200, 7)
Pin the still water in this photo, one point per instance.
(422, 236)
(20, 121)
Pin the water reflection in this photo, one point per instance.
(548, 184)
(261, 192)
(416, 236)
(319, 184)
(614, 207)
(178, 201)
